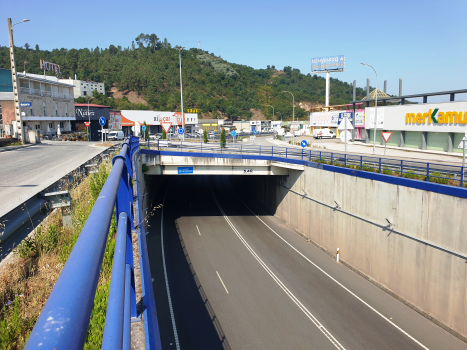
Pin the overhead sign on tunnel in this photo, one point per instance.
(185, 170)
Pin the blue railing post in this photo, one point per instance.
(320, 156)
(286, 152)
(462, 176)
(427, 171)
(148, 145)
(345, 160)
(379, 170)
(158, 146)
(402, 168)
(361, 162)
(331, 157)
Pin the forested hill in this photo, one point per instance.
(210, 84)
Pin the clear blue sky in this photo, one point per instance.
(423, 42)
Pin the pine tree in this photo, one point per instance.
(164, 135)
(223, 138)
(205, 134)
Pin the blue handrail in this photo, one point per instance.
(64, 320)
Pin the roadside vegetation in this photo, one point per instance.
(27, 280)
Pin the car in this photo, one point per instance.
(155, 137)
(115, 136)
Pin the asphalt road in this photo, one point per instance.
(238, 281)
(27, 171)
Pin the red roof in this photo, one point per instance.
(90, 105)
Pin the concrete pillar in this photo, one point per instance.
(450, 142)
(365, 133)
(424, 139)
(402, 140)
(385, 86)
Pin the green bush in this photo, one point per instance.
(145, 168)
(387, 171)
(205, 136)
(434, 178)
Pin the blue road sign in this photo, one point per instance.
(181, 131)
(102, 121)
(233, 133)
(254, 132)
(185, 170)
(25, 104)
(144, 128)
(303, 143)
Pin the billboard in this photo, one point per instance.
(115, 123)
(330, 63)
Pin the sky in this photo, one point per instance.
(423, 42)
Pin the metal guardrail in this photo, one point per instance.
(65, 318)
(447, 174)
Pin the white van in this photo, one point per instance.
(115, 136)
(323, 134)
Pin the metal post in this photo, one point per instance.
(327, 89)
(361, 162)
(345, 160)
(463, 162)
(376, 106)
(427, 171)
(345, 136)
(402, 167)
(286, 152)
(102, 133)
(380, 165)
(385, 147)
(331, 157)
(181, 87)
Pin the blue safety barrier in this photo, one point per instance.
(64, 320)
(447, 174)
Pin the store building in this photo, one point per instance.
(93, 116)
(132, 120)
(428, 126)
(84, 88)
(47, 105)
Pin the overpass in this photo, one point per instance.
(223, 266)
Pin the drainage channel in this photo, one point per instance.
(20, 221)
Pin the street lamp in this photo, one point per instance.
(89, 121)
(376, 106)
(14, 78)
(180, 48)
(293, 116)
(272, 111)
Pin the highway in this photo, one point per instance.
(227, 275)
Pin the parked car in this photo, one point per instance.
(155, 137)
(115, 136)
(323, 134)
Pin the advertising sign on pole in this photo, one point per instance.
(330, 63)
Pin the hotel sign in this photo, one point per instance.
(49, 66)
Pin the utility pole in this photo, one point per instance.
(179, 48)
(14, 80)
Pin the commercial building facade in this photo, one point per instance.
(428, 126)
(132, 120)
(46, 104)
(95, 113)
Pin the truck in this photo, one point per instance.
(324, 134)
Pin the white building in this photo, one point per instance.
(154, 119)
(84, 88)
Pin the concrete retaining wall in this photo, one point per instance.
(431, 280)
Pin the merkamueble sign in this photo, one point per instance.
(431, 117)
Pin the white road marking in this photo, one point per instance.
(328, 275)
(198, 230)
(279, 282)
(174, 326)
(222, 282)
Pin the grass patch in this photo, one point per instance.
(27, 280)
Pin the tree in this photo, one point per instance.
(27, 46)
(164, 135)
(223, 142)
(146, 131)
(205, 136)
(37, 47)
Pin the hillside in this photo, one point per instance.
(148, 72)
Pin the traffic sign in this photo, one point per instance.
(102, 121)
(25, 104)
(342, 135)
(87, 124)
(342, 124)
(303, 143)
(233, 133)
(386, 136)
(166, 126)
(461, 145)
(143, 128)
(254, 132)
(181, 131)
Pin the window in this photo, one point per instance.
(84, 93)
(43, 108)
(62, 125)
(30, 111)
(51, 125)
(38, 126)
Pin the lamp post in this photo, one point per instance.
(376, 106)
(180, 48)
(89, 121)
(293, 117)
(14, 78)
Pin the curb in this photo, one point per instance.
(12, 148)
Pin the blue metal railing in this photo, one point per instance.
(447, 174)
(64, 320)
